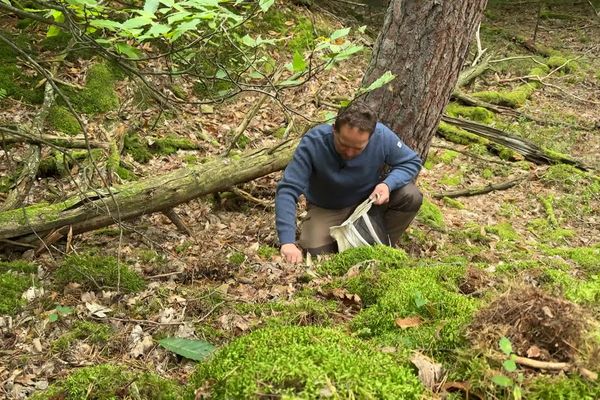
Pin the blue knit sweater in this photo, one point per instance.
(328, 181)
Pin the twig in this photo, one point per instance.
(177, 221)
(594, 8)
(245, 195)
(480, 50)
(244, 124)
(480, 190)
(528, 362)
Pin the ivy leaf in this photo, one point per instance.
(340, 33)
(505, 345)
(150, 6)
(502, 380)
(188, 348)
(298, 62)
(265, 4)
(509, 365)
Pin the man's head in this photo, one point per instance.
(353, 128)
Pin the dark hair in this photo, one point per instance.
(358, 115)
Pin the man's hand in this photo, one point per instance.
(291, 253)
(381, 194)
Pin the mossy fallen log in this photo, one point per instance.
(105, 207)
(526, 148)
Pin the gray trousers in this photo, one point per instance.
(398, 213)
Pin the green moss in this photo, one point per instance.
(431, 215)
(171, 143)
(458, 135)
(450, 202)
(563, 176)
(301, 311)
(478, 114)
(487, 173)
(428, 291)
(504, 231)
(549, 208)
(98, 272)
(109, 382)
(452, 179)
(544, 230)
(18, 266)
(99, 93)
(558, 61)
(448, 156)
(135, 145)
(384, 256)
(570, 387)
(125, 174)
(513, 98)
(267, 252)
(14, 84)
(588, 258)
(303, 362)
(91, 332)
(236, 258)
(12, 286)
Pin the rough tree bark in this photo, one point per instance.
(424, 43)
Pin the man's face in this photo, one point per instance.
(349, 141)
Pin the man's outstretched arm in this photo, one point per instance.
(404, 162)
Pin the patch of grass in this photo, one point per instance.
(98, 272)
(385, 257)
(12, 286)
(431, 215)
(61, 119)
(88, 331)
(585, 292)
(547, 232)
(18, 266)
(429, 292)
(267, 252)
(303, 362)
(588, 258)
(108, 381)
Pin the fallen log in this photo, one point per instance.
(108, 206)
(526, 148)
(69, 142)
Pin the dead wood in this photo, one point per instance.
(480, 190)
(67, 142)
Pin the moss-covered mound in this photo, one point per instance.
(303, 362)
(108, 382)
(91, 332)
(99, 93)
(563, 388)
(431, 215)
(428, 293)
(15, 278)
(13, 82)
(61, 119)
(98, 272)
(384, 256)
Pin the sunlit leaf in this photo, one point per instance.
(298, 62)
(137, 22)
(505, 345)
(502, 380)
(105, 24)
(265, 4)
(379, 82)
(188, 348)
(150, 6)
(509, 365)
(340, 33)
(157, 30)
(128, 50)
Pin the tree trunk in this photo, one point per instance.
(102, 208)
(424, 43)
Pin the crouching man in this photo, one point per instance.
(336, 168)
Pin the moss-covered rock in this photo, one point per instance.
(384, 256)
(431, 215)
(61, 119)
(109, 382)
(428, 292)
(91, 332)
(99, 93)
(303, 362)
(98, 272)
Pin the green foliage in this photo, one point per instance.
(99, 93)
(429, 292)
(88, 331)
(452, 179)
(299, 311)
(12, 286)
(135, 145)
(585, 292)
(61, 119)
(431, 215)
(450, 202)
(98, 272)
(109, 382)
(478, 114)
(303, 362)
(18, 266)
(13, 82)
(385, 257)
(59, 312)
(171, 143)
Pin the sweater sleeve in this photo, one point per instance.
(404, 162)
(294, 183)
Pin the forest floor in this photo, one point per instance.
(523, 263)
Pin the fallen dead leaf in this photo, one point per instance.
(409, 322)
(430, 372)
(97, 310)
(533, 352)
